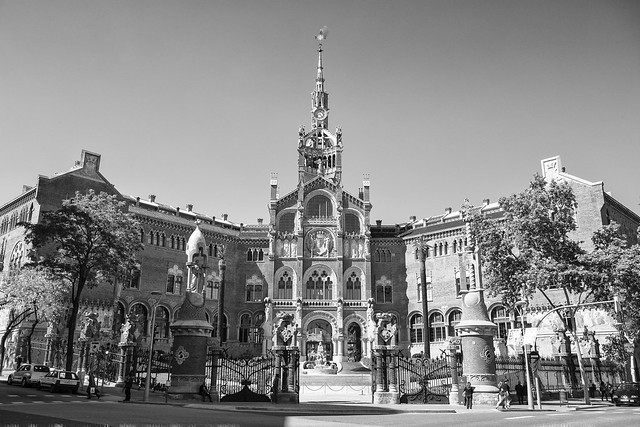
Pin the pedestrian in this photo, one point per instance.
(504, 400)
(610, 391)
(603, 391)
(126, 387)
(468, 395)
(520, 393)
(592, 390)
(91, 388)
(204, 391)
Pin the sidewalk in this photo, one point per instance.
(336, 404)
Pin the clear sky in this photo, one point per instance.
(200, 101)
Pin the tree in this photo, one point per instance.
(528, 250)
(30, 293)
(91, 238)
(614, 267)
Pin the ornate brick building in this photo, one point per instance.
(318, 257)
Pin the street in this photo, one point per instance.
(29, 407)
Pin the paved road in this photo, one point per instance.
(29, 407)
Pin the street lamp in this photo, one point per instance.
(147, 381)
(521, 305)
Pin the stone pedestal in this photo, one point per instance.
(285, 385)
(479, 362)
(191, 333)
(385, 353)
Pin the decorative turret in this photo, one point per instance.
(320, 151)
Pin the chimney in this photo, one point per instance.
(137, 201)
(366, 184)
(447, 211)
(190, 207)
(564, 169)
(225, 216)
(152, 198)
(412, 218)
(485, 202)
(274, 186)
(259, 221)
(178, 211)
(378, 223)
(360, 193)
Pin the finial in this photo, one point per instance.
(324, 32)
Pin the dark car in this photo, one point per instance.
(627, 394)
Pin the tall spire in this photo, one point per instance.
(320, 98)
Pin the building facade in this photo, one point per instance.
(317, 257)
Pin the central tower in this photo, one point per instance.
(320, 151)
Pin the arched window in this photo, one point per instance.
(384, 290)
(285, 286)
(415, 328)
(141, 235)
(255, 254)
(118, 318)
(351, 223)
(162, 323)
(138, 314)
(500, 317)
(163, 240)
(253, 288)
(354, 287)
(287, 222)
(437, 328)
(212, 290)
(319, 286)
(319, 206)
(214, 323)
(257, 333)
(454, 318)
(244, 328)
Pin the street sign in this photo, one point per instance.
(530, 335)
(514, 338)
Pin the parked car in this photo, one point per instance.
(627, 394)
(28, 374)
(60, 380)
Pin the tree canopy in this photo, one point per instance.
(528, 249)
(91, 238)
(31, 293)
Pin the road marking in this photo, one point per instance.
(13, 395)
(557, 415)
(518, 418)
(32, 395)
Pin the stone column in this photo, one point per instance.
(385, 351)
(284, 337)
(452, 356)
(191, 330)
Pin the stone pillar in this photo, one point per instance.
(192, 331)
(385, 351)
(476, 334)
(452, 356)
(285, 387)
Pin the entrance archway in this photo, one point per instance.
(319, 334)
(354, 342)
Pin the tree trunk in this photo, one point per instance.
(71, 331)
(3, 341)
(33, 327)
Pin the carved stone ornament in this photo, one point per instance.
(486, 354)
(387, 332)
(181, 355)
(288, 332)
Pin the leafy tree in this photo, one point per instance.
(528, 250)
(614, 267)
(30, 293)
(89, 239)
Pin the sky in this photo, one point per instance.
(199, 102)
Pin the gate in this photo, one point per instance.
(424, 380)
(241, 380)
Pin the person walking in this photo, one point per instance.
(603, 391)
(592, 390)
(91, 388)
(204, 392)
(128, 383)
(504, 400)
(520, 393)
(468, 395)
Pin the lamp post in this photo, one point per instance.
(147, 380)
(422, 246)
(521, 305)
